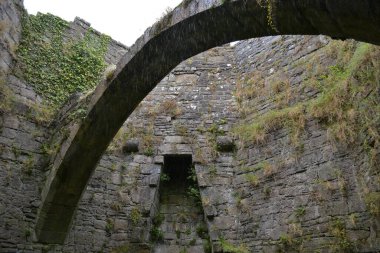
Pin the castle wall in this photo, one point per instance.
(300, 188)
(294, 189)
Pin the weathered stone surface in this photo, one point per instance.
(187, 31)
(131, 146)
(225, 144)
(119, 187)
(154, 180)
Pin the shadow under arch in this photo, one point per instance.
(193, 27)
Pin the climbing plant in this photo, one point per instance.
(57, 66)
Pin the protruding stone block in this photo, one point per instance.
(210, 211)
(131, 146)
(153, 180)
(225, 144)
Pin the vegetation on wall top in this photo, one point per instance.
(346, 105)
(56, 66)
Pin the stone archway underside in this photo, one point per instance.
(193, 27)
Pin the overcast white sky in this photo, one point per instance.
(123, 20)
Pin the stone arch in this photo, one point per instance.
(191, 28)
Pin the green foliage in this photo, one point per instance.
(213, 170)
(181, 130)
(372, 201)
(80, 113)
(193, 190)
(183, 250)
(288, 242)
(207, 247)
(170, 107)
(116, 207)
(267, 191)
(121, 249)
(338, 230)
(215, 130)
(253, 179)
(267, 168)
(202, 231)
(145, 136)
(40, 113)
(194, 193)
(50, 149)
(164, 22)
(109, 226)
(158, 219)
(147, 141)
(164, 177)
(16, 151)
(135, 216)
(268, 5)
(156, 234)
(27, 233)
(300, 211)
(58, 68)
(346, 105)
(149, 151)
(229, 247)
(6, 96)
(257, 131)
(28, 165)
(188, 231)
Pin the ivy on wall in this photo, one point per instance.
(57, 66)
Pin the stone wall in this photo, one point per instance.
(182, 116)
(25, 135)
(10, 26)
(298, 192)
(281, 194)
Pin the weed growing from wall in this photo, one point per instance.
(229, 247)
(135, 216)
(6, 96)
(342, 242)
(193, 190)
(347, 105)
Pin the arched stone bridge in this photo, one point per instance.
(193, 27)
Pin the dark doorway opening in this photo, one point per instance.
(176, 171)
(180, 224)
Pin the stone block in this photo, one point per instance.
(225, 144)
(151, 169)
(131, 146)
(174, 140)
(224, 222)
(202, 180)
(154, 180)
(210, 211)
(120, 224)
(158, 159)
